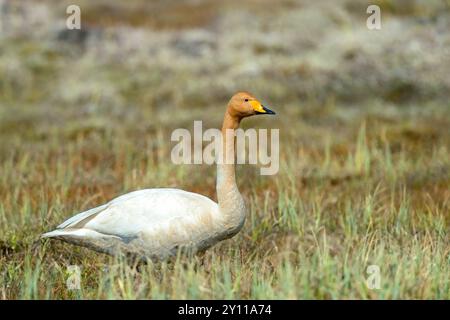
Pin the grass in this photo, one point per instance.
(364, 155)
(312, 230)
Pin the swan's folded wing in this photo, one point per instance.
(143, 211)
(146, 210)
(81, 218)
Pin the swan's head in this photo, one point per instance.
(244, 104)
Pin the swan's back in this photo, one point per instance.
(153, 222)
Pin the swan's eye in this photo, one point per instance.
(246, 100)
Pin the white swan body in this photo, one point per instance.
(156, 223)
(150, 222)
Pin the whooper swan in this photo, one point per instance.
(156, 223)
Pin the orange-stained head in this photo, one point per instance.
(244, 104)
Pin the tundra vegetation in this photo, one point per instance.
(364, 119)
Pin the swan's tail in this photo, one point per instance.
(54, 233)
(74, 225)
(81, 233)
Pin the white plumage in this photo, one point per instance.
(150, 222)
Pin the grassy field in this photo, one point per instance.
(364, 119)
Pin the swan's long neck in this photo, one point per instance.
(231, 204)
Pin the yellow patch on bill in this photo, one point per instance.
(257, 106)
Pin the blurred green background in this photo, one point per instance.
(134, 55)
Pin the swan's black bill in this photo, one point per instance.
(266, 111)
